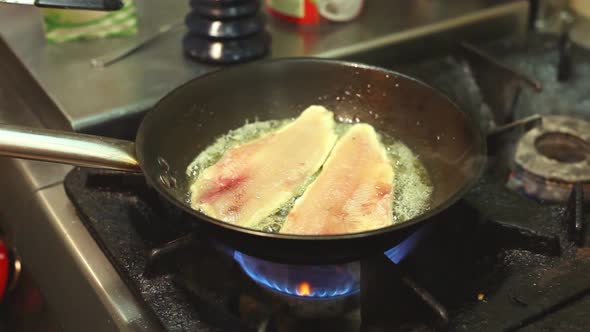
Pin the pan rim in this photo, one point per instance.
(479, 143)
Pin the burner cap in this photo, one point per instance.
(226, 51)
(557, 151)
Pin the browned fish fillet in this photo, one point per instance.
(254, 179)
(353, 192)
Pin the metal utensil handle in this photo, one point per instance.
(110, 58)
(67, 148)
(104, 5)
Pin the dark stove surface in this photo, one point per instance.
(499, 261)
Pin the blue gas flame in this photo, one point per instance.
(325, 281)
(399, 252)
(321, 281)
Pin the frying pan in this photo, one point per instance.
(190, 118)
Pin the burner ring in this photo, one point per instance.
(558, 150)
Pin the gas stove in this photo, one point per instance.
(504, 258)
(510, 256)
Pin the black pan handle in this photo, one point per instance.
(106, 5)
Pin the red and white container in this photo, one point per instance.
(314, 11)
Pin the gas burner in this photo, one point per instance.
(305, 281)
(317, 281)
(552, 157)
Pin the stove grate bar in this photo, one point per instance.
(573, 219)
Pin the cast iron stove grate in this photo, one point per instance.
(521, 269)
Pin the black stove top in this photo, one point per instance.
(499, 261)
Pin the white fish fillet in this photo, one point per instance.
(353, 192)
(254, 179)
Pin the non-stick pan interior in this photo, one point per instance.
(194, 115)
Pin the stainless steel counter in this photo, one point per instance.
(85, 96)
(81, 287)
(54, 86)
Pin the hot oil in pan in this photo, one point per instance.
(412, 184)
